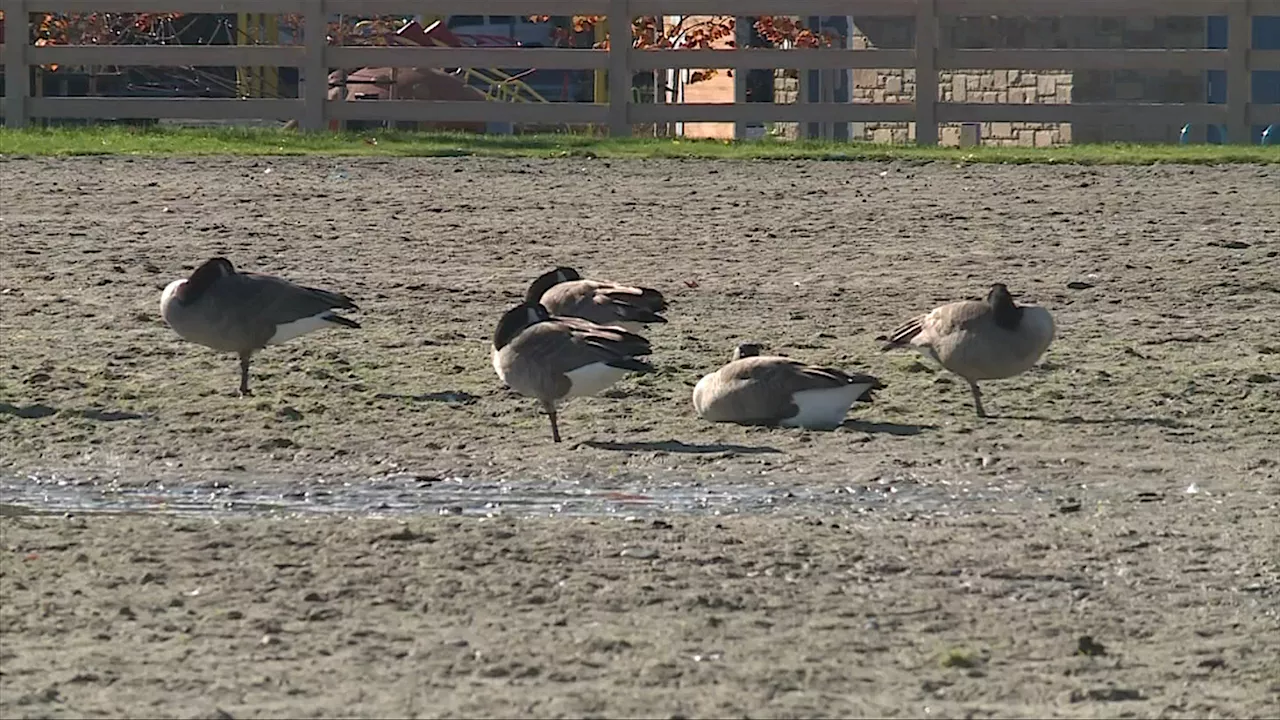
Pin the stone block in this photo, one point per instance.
(1013, 76)
(882, 135)
(1063, 96)
(958, 89)
(893, 84)
(1026, 138)
(949, 136)
(865, 78)
(970, 82)
(1021, 96)
(1043, 138)
(1002, 130)
(1064, 133)
(1047, 85)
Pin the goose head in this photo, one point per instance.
(517, 320)
(202, 278)
(1006, 311)
(548, 280)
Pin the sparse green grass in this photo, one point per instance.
(961, 658)
(123, 140)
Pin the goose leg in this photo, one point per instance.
(977, 399)
(555, 426)
(244, 374)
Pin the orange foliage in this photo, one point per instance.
(646, 32)
(707, 32)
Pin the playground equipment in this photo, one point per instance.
(257, 81)
(499, 85)
(460, 84)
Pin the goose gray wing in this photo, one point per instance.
(263, 303)
(538, 361)
(601, 302)
(939, 322)
(640, 305)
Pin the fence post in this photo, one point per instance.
(1239, 38)
(17, 74)
(926, 73)
(315, 71)
(619, 68)
(741, 40)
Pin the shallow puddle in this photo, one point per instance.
(407, 494)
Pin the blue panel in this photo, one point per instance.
(1216, 80)
(1266, 83)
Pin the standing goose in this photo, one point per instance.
(755, 389)
(243, 312)
(979, 339)
(554, 359)
(565, 293)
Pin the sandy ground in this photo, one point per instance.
(1162, 380)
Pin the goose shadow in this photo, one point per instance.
(445, 396)
(38, 411)
(675, 446)
(1078, 420)
(886, 428)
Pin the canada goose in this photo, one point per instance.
(243, 312)
(564, 292)
(755, 389)
(979, 339)
(552, 359)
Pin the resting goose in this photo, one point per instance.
(552, 359)
(243, 312)
(978, 340)
(755, 389)
(564, 292)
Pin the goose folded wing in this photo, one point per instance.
(645, 298)
(630, 304)
(610, 344)
(277, 301)
(963, 315)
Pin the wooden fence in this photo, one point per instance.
(315, 58)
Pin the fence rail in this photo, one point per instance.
(930, 55)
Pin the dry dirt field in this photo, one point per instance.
(917, 562)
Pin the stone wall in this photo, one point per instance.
(1029, 87)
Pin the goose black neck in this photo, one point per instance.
(203, 278)
(1007, 314)
(546, 281)
(516, 320)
